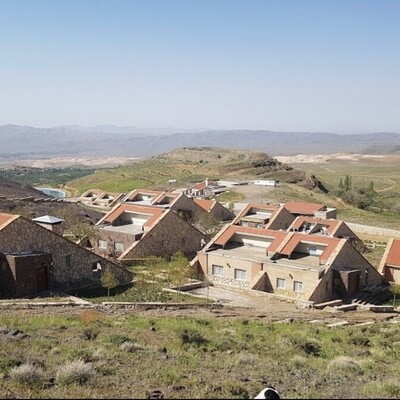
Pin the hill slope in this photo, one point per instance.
(193, 164)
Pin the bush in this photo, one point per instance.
(193, 337)
(344, 364)
(74, 372)
(30, 374)
(130, 347)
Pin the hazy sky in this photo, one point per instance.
(279, 65)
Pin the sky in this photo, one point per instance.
(284, 65)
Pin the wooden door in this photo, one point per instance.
(41, 279)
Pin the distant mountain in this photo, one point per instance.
(105, 140)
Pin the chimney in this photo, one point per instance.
(206, 181)
(51, 223)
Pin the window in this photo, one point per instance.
(240, 274)
(102, 244)
(313, 250)
(119, 247)
(298, 286)
(68, 260)
(217, 270)
(96, 267)
(280, 283)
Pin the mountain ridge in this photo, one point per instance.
(24, 141)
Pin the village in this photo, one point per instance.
(294, 251)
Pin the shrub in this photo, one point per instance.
(30, 374)
(344, 364)
(117, 339)
(74, 372)
(130, 347)
(311, 348)
(193, 337)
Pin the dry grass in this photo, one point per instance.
(190, 357)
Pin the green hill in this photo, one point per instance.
(192, 164)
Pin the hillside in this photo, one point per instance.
(11, 189)
(193, 164)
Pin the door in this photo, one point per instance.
(41, 279)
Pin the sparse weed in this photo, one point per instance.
(77, 372)
(29, 374)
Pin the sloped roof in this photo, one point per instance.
(393, 257)
(164, 195)
(136, 192)
(330, 244)
(277, 236)
(247, 210)
(299, 207)
(48, 219)
(205, 204)
(5, 219)
(154, 212)
(331, 224)
(91, 191)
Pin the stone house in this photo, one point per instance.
(131, 231)
(99, 198)
(216, 209)
(201, 189)
(264, 216)
(304, 267)
(34, 259)
(176, 201)
(390, 264)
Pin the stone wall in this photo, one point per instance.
(282, 220)
(169, 235)
(73, 265)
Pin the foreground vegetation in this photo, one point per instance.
(93, 355)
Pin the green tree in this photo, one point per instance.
(395, 290)
(109, 281)
(347, 183)
(179, 270)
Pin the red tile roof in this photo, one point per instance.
(298, 207)
(137, 192)
(264, 207)
(332, 224)
(205, 204)
(277, 236)
(5, 219)
(165, 195)
(297, 238)
(154, 212)
(393, 258)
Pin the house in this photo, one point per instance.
(201, 189)
(216, 209)
(35, 259)
(99, 198)
(87, 197)
(264, 216)
(131, 231)
(176, 201)
(390, 264)
(310, 209)
(302, 267)
(324, 227)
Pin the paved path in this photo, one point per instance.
(373, 230)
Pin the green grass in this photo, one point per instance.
(194, 357)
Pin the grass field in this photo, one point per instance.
(93, 355)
